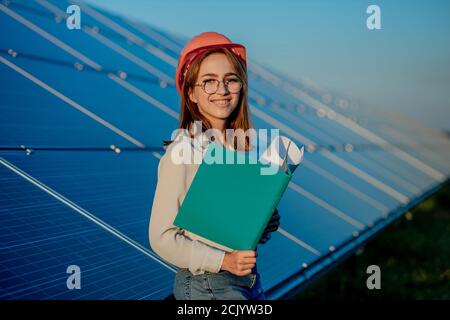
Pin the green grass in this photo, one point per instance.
(413, 254)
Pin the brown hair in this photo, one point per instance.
(238, 119)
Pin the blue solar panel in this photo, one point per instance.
(39, 118)
(83, 114)
(41, 235)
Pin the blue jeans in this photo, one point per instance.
(217, 286)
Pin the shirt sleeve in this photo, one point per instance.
(168, 240)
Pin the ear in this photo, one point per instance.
(191, 95)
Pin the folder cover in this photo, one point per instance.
(231, 204)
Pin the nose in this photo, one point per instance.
(222, 85)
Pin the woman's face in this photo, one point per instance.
(218, 106)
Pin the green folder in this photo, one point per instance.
(231, 204)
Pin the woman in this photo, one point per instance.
(211, 79)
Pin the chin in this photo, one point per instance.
(221, 115)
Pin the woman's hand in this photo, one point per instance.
(239, 262)
(272, 226)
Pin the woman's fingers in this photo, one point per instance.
(247, 266)
(271, 228)
(243, 273)
(240, 262)
(275, 219)
(265, 238)
(248, 253)
(273, 224)
(249, 260)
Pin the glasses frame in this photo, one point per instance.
(203, 84)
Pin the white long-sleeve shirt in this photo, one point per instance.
(178, 246)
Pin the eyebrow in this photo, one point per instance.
(215, 75)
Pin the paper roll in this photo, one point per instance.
(283, 152)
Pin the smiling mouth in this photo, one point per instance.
(221, 102)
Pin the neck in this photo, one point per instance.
(218, 124)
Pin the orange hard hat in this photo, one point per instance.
(199, 45)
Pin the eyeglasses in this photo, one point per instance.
(211, 86)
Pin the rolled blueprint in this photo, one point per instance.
(283, 152)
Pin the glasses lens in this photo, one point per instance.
(234, 85)
(211, 86)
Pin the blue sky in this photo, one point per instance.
(404, 67)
